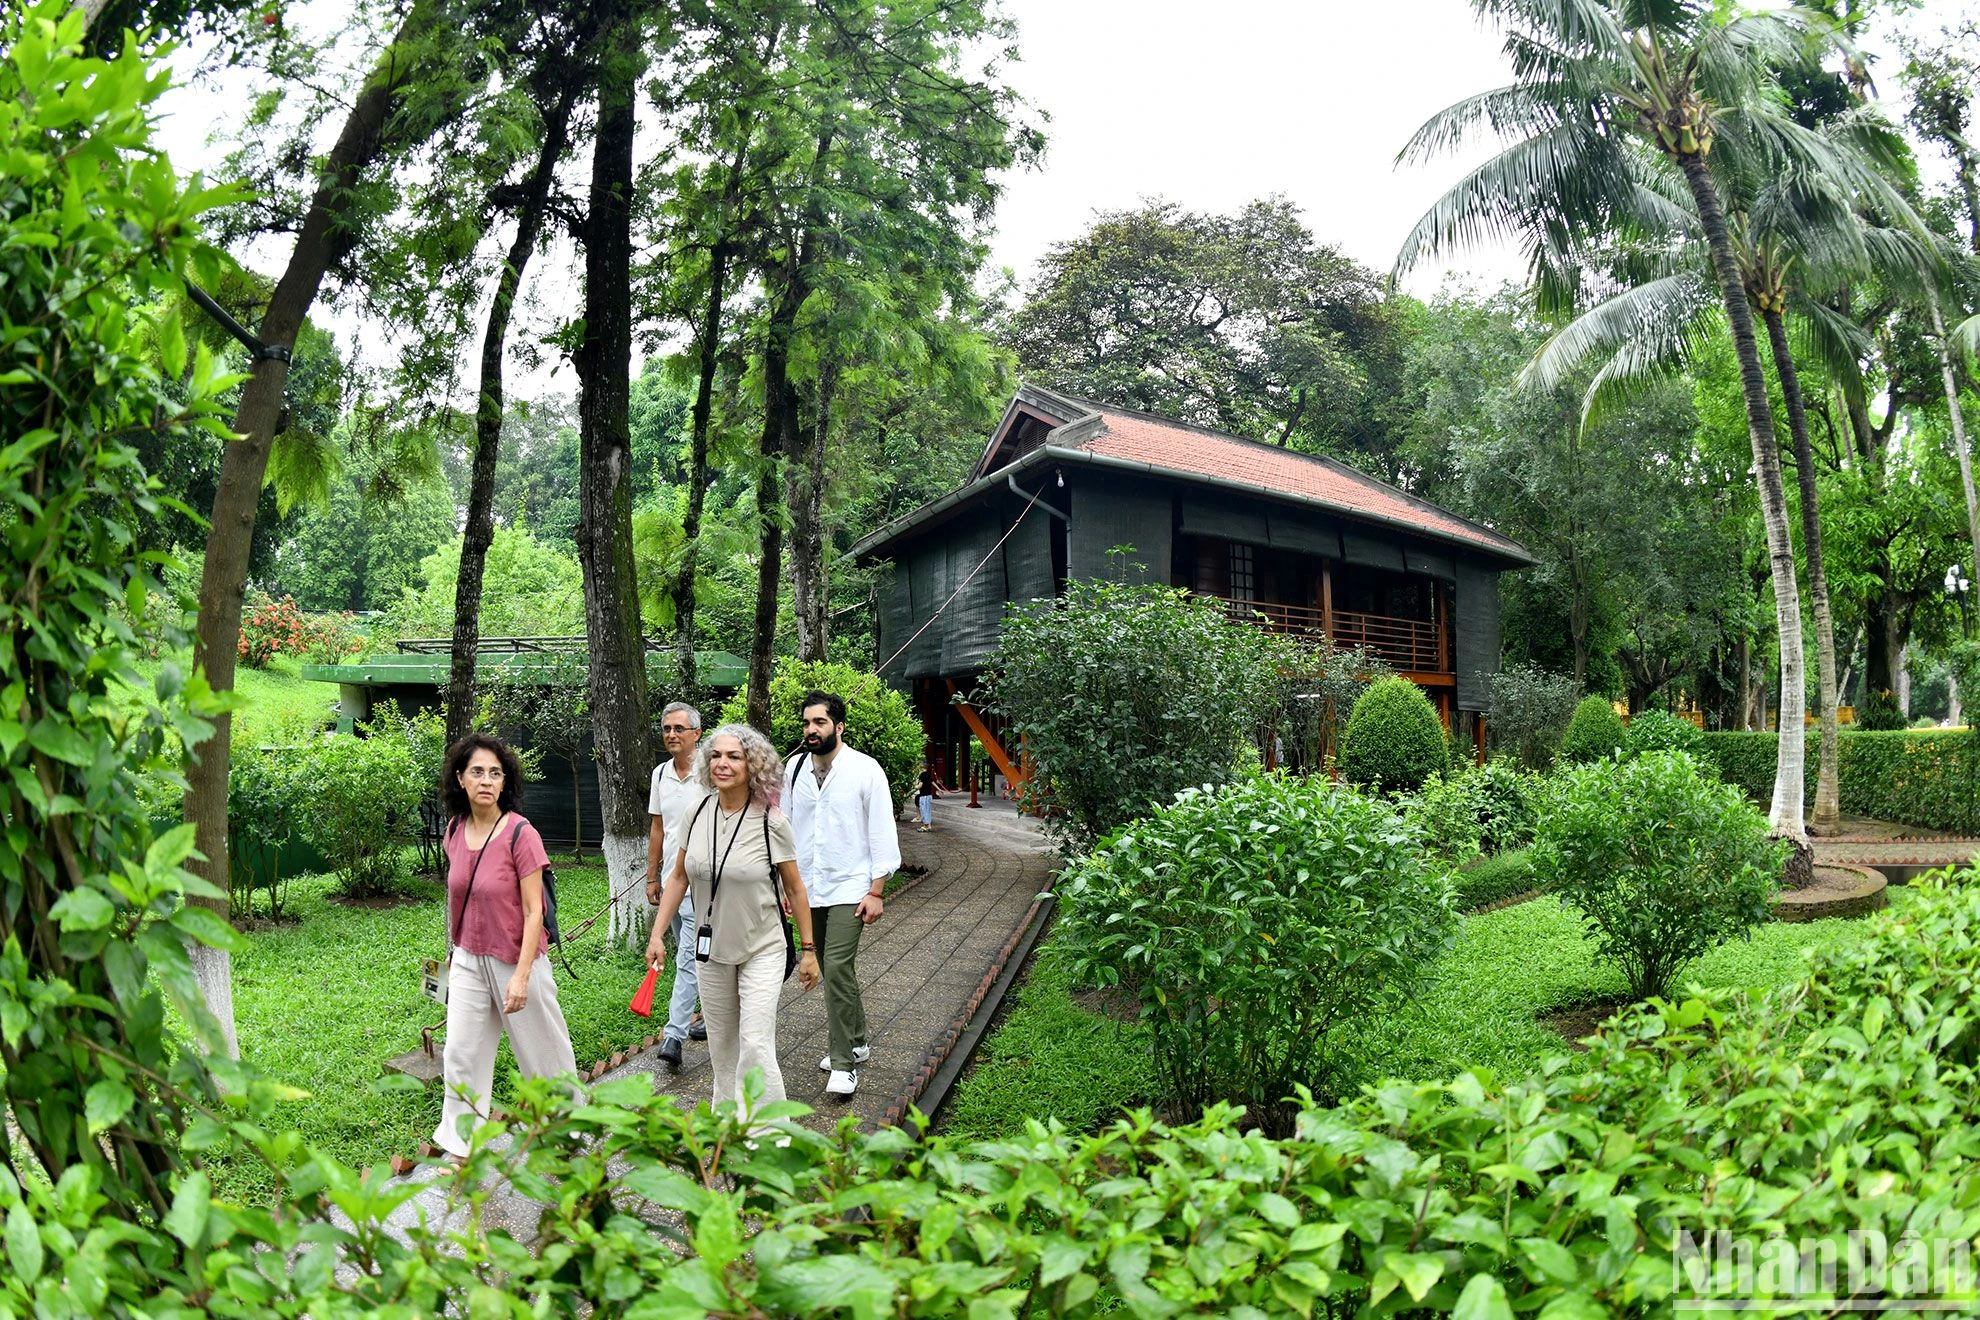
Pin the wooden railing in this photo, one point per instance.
(1411, 645)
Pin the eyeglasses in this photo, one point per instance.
(676, 728)
(483, 772)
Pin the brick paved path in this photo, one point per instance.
(1868, 842)
(919, 964)
(921, 967)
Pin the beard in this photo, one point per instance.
(821, 744)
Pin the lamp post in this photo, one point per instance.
(1961, 588)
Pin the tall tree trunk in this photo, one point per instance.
(704, 404)
(1828, 790)
(775, 448)
(480, 531)
(1743, 662)
(810, 581)
(1789, 777)
(617, 672)
(1879, 627)
(323, 239)
(1950, 383)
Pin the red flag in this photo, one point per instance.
(642, 1000)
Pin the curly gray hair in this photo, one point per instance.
(766, 782)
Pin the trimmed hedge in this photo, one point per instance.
(1927, 778)
(1596, 733)
(1490, 879)
(1394, 739)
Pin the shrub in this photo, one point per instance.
(1257, 923)
(363, 796)
(1475, 809)
(1394, 738)
(1663, 861)
(277, 627)
(878, 720)
(1529, 711)
(264, 802)
(1126, 695)
(1596, 732)
(1661, 731)
(1490, 879)
(1879, 713)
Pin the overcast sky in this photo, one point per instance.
(1312, 100)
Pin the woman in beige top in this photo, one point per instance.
(728, 849)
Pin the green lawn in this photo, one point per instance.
(279, 705)
(322, 1002)
(1054, 1057)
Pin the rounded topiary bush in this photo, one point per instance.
(1662, 859)
(1259, 924)
(1394, 739)
(1596, 733)
(1661, 731)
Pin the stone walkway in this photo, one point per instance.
(923, 968)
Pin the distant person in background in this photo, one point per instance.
(675, 793)
(925, 795)
(498, 977)
(842, 812)
(735, 849)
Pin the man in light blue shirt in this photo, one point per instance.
(842, 814)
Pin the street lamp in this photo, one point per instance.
(1961, 587)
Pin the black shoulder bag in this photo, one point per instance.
(549, 901)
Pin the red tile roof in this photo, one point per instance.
(1189, 450)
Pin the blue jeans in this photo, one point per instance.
(927, 809)
(687, 980)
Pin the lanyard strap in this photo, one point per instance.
(716, 868)
(454, 927)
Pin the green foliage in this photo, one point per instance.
(266, 800)
(878, 720)
(545, 708)
(1339, 678)
(277, 627)
(363, 802)
(1394, 739)
(1661, 731)
(1879, 712)
(1257, 923)
(94, 925)
(1964, 663)
(1466, 1197)
(529, 588)
(1596, 733)
(1929, 778)
(1489, 879)
(1663, 861)
(1126, 695)
(1529, 713)
(1051, 1056)
(1474, 809)
(368, 542)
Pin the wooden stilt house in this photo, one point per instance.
(1288, 541)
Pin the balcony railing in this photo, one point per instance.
(1411, 645)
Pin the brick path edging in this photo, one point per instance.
(945, 1044)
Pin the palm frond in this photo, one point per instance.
(1820, 334)
(1966, 336)
(1568, 174)
(1650, 320)
(1644, 362)
(1517, 110)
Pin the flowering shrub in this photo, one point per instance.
(278, 627)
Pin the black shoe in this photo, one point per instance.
(697, 1030)
(670, 1050)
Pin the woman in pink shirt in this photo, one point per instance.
(495, 861)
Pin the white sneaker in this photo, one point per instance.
(861, 1053)
(842, 1083)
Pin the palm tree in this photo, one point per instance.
(1795, 203)
(1600, 85)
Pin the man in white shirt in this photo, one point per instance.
(842, 813)
(674, 796)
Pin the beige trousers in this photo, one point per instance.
(538, 1038)
(739, 1007)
